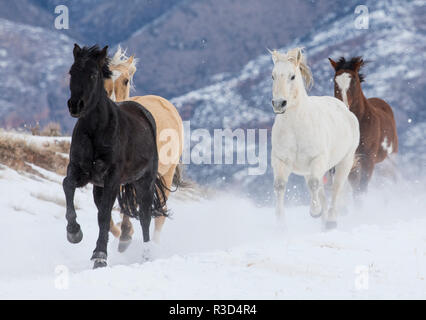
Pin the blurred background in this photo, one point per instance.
(210, 58)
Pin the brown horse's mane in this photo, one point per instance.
(355, 64)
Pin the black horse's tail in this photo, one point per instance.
(129, 200)
(159, 202)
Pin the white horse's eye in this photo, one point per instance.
(273, 77)
(292, 78)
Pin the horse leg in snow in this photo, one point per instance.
(114, 229)
(367, 167)
(104, 199)
(145, 195)
(126, 234)
(159, 221)
(342, 172)
(354, 180)
(74, 233)
(321, 194)
(281, 174)
(316, 188)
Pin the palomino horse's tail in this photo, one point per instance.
(128, 199)
(178, 181)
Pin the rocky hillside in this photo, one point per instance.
(182, 45)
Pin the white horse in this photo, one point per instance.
(310, 136)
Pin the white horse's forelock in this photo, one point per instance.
(293, 55)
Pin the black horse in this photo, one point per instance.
(114, 148)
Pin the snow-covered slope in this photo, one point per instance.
(222, 247)
(34, 64)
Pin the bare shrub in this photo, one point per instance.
(52, 129)
(17, 153)
(35, 131)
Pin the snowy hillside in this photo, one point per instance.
(395, 45)
(33, 77)
(222, 247)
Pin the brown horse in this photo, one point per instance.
(376, 120)
(169, 135)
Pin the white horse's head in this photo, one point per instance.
(290, 69)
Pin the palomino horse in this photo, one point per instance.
(310, 136)
(376, 121)
(169, 133)
(113, 147)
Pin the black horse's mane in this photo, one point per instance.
(93, 52)
(342, 64)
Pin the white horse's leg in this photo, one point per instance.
(322, 198)
(316, 187)
(342, 172)
(281, 174)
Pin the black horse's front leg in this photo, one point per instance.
(104, 200)
(74, 233)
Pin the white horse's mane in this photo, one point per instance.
(293, 55)
(120, 57)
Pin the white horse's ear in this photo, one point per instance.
(298, 57)
(273, 55)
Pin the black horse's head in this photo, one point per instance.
(88, 72)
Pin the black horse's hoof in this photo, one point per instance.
(75, 237)
(330, 225)
(100, 259)
(99, 264)
(124, 244)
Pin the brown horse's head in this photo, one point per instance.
(123, 68)
(347, 79)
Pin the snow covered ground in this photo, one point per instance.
(220, 248)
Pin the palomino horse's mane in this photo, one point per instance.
(292, 55)
(355, 64)
(119, 59)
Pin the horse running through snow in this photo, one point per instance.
(113, 147)
(169, 135)
(310, 136)
(377, 125)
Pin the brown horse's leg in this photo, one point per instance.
(159, 221)
(367, 166)
(354, 180)
(126, 233)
